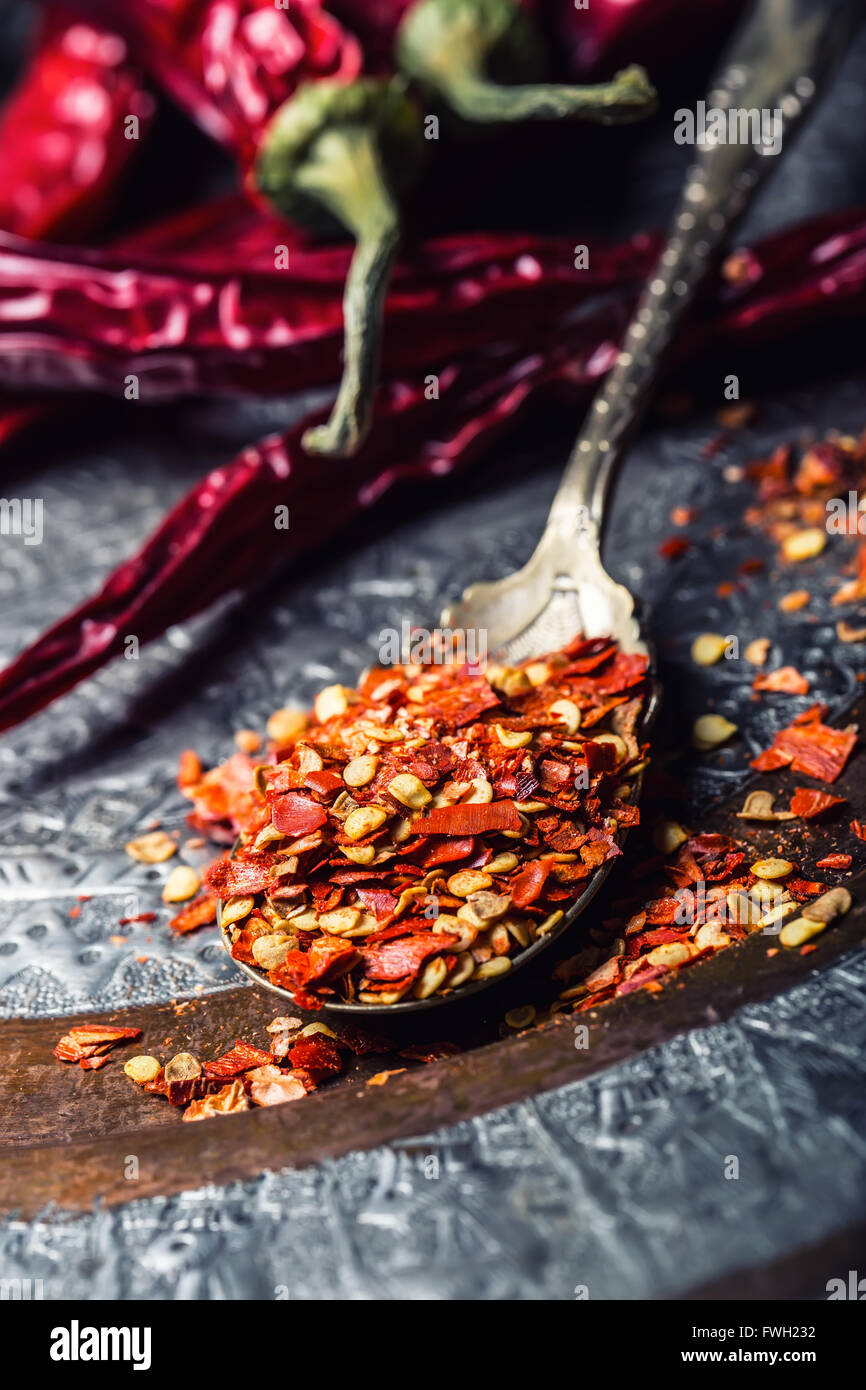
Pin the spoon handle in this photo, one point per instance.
(768, 79)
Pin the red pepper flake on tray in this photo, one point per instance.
(810, 747)
(786, 681)
(89, 1043)
(446, 820)
(808, 802)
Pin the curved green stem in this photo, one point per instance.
(345, 174)
(628, 97)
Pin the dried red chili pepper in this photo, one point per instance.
(88, 1043)
(65, 132)
(486, 59)
(325, 147)
(200, 552)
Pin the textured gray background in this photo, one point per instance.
(616, 1183)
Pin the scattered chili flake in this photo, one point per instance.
(795, 600)
(199, 913)
(810, 747)
(787, 680)
(139, 917)
(87, 1041)
(807, 802)
(859, 829)
(674, 547)
(834, 861)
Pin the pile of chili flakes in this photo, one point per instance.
(417, 833)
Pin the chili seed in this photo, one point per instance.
(801, 930)
(360, 771)
(711, 730)
(409, 790)
(285, 725)
(709, 648)
(365, 821)
(182, 1067)
(181, 884)
(153, 848)
(468, 881)
(142, 1069)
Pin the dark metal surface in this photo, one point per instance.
(613, 1180)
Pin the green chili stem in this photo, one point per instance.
(347, 176)
(628, 97)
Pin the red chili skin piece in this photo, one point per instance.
(231, 63)
(199, 913)
(403, 958)
(198, 553)
(230, 877)
(835, 861)
(529, 883)
(469, 820)
(324, 783)
(241, 1057)
(807, 802)
(859, 829)
(319, 1055)
(297, 815)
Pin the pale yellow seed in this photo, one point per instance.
(359, 854)
(248, 741)
(285, 725)
(537, 672)
(711, 934)
(503, 864)
(550, 922)
(804, 545)
(671, 953)
(756, 652)
(409, 790)
(312, 1028)
(432, 978)
(709, 648)
(531, 808)
(271, 951)
(772, 868)
(360, 771)
(566, 712)
(153, 848)
(468, 881)
(142, 1069)
(480, 792)
(668, 836)
(513, 738)
(801, 930)
(521, 1017)
(742, 909)
(182, 1067)
(236, 909)
(364, 821)
(333, 700)
(711, 730)
(834, 903)
(619, 744)
(498, 965)
(778, 913)
(463, 970)
(342, 919)
(518, 929)
(182, 883)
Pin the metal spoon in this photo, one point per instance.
(776, 63)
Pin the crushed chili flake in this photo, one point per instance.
(808, 802)
(431, 785)
(810, 747)
(859, 829)
(787, 680)
(834, 861)
(89, 1041)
